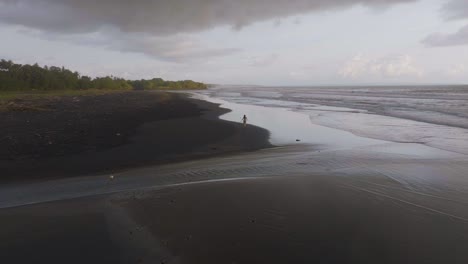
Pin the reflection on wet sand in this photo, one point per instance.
(333, 198)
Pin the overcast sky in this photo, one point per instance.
(274, 42)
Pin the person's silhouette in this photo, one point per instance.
(244, 120)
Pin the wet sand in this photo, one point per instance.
(105, 134)
(287, 219)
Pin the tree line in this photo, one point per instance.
(25, 77)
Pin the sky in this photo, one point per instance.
(245, 42)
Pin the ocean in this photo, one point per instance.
(434, 116)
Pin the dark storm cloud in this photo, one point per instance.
(452, 10)
(160, 20)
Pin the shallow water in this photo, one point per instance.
(433, 116)
(297, 127)
(287, 127)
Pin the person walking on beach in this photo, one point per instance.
(244, 120)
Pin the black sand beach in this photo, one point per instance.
(178, 197)
(286, 219)
(89, 135)
(234, 132)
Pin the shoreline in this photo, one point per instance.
(295, 204)
(401, 122)
(119, 132)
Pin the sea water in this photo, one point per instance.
(416, 116)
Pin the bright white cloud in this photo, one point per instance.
(457, 70)
(387, 67)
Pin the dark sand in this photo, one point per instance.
(344, 208)
(91, 135)
(314, 219)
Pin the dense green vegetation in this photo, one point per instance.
(158, 83)
(18, 77)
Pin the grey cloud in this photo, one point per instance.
(452, 10)
(153, 27)
(175, 49)
(455, 9)
(440, 40)
(160, 17)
